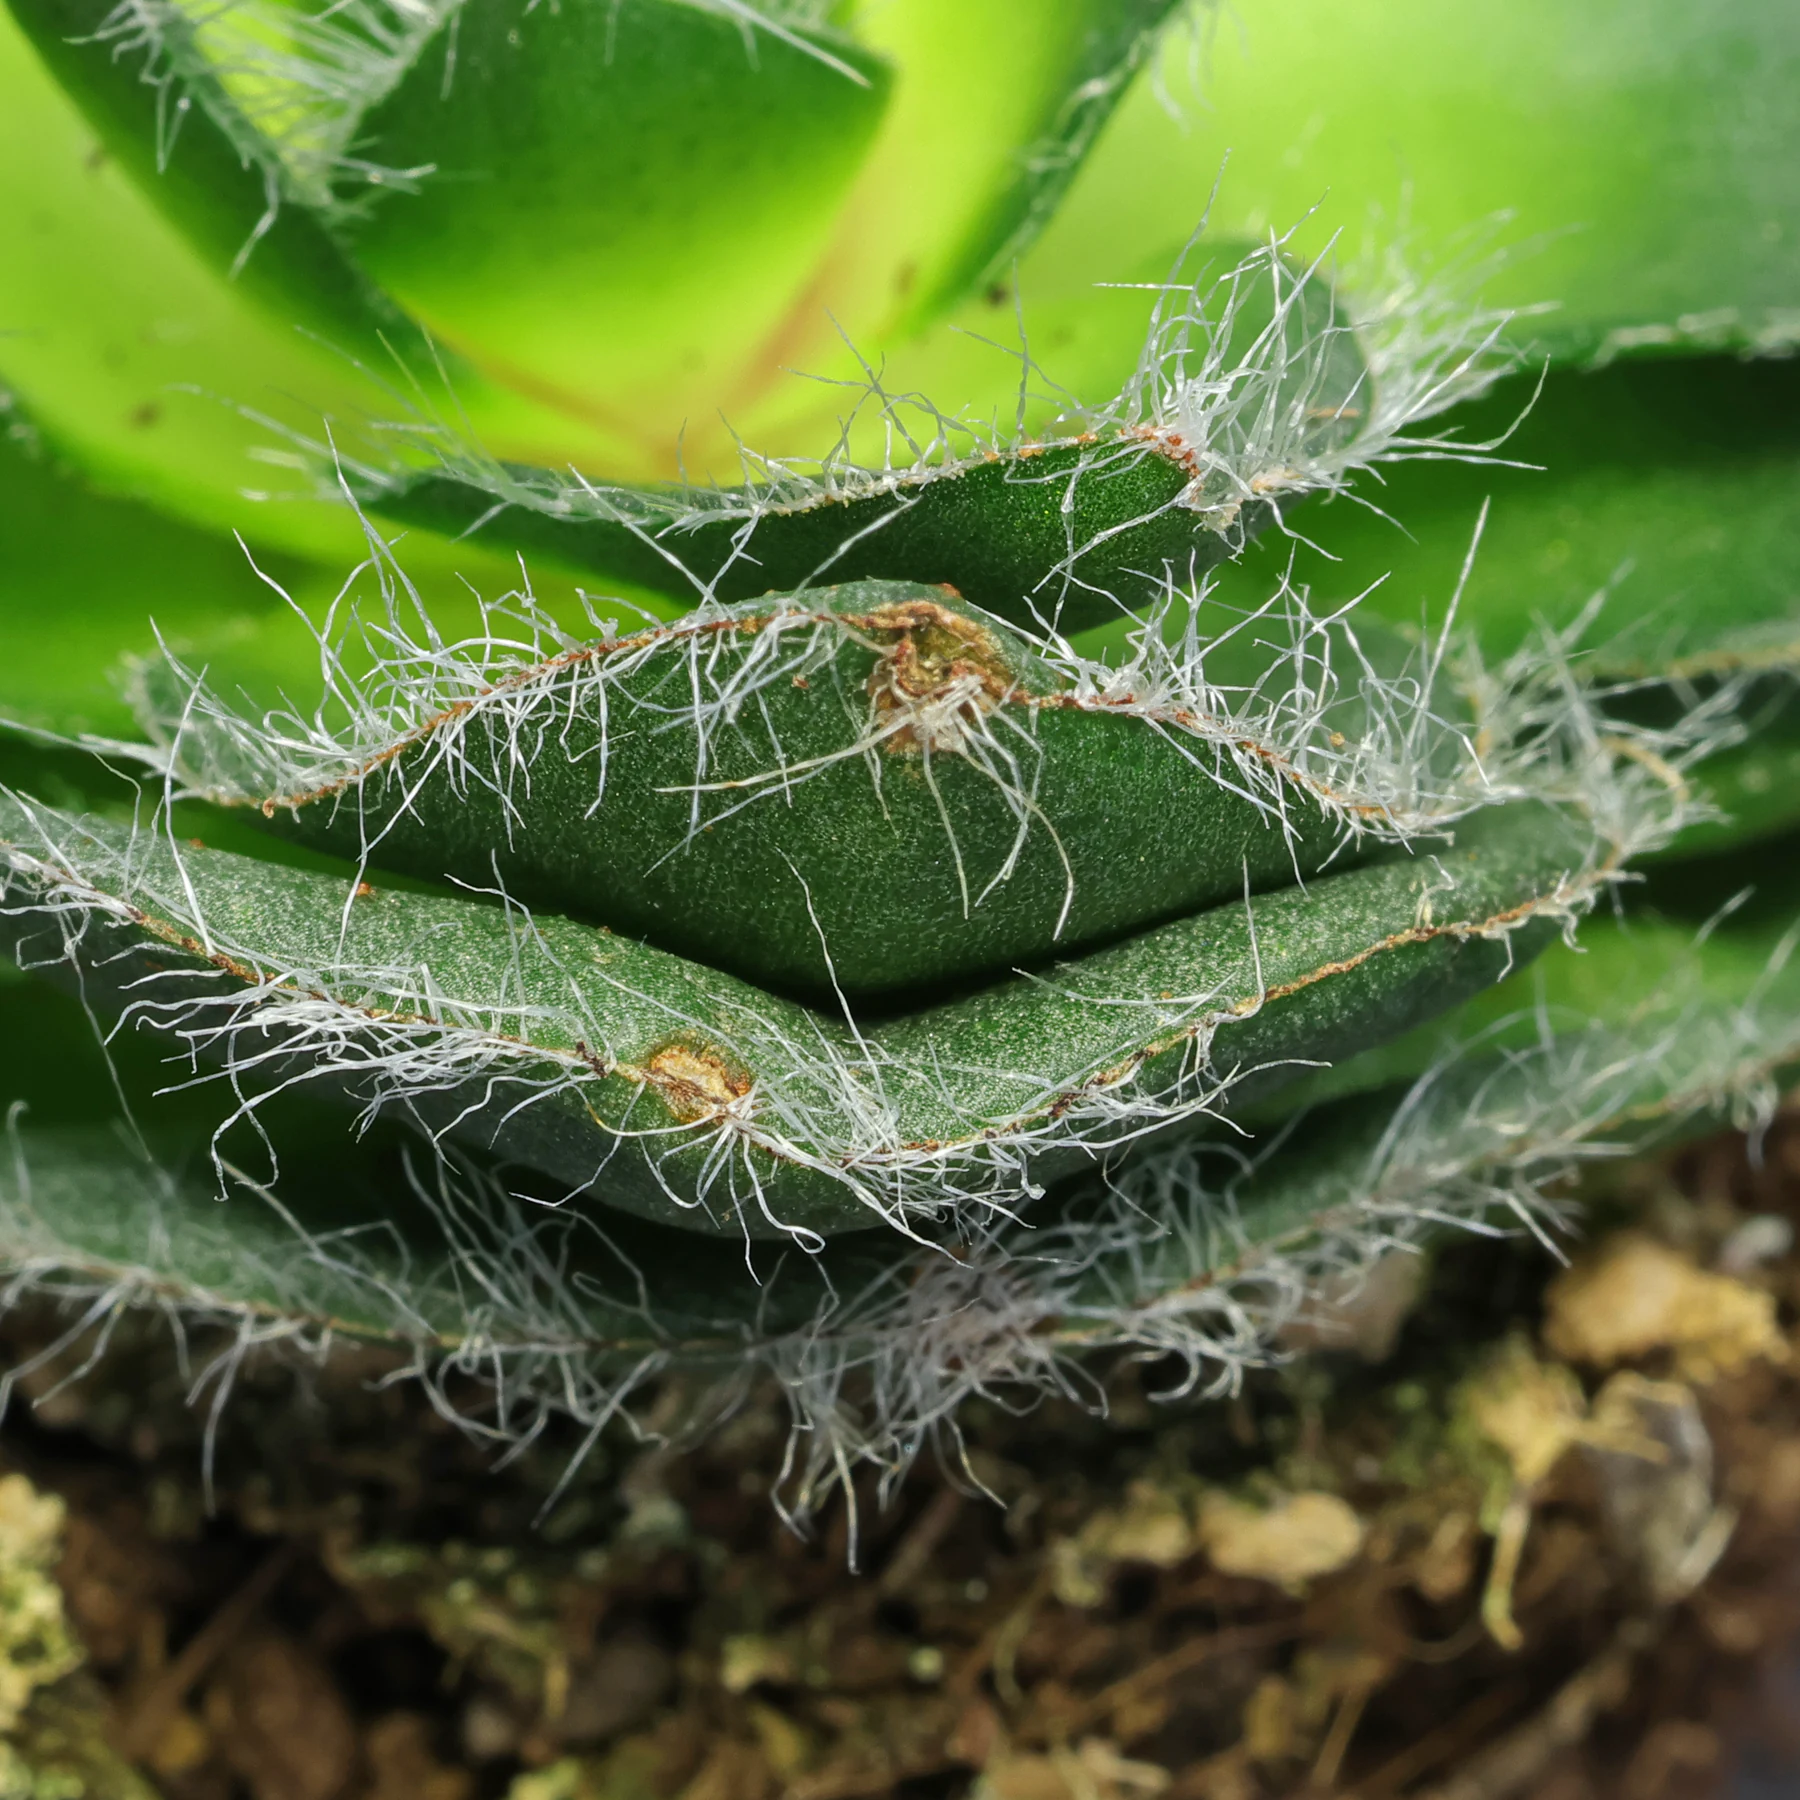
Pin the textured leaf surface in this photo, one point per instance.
(871, 788)
(1709, 940)
(679, 1092)
(865, 773)
(109, 1181)
(1670, 488)
(1642, 161)
(1191, 1252)
(1472, 1120)
(1056, 533)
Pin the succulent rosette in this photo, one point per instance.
(885, 721)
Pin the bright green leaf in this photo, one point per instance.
(106, 364)
(1641, 162)
(146, 380)
(626, 198)
(995, 109)
(226, 201)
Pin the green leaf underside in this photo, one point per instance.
(1587, 1058)
(219, 197)
(1644, 976)
(314, 1226)
(678, 1092)
(600, 139)
(891, 794)
(1070, 533)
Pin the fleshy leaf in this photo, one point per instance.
(1254, 388)
(1685, 1001)
(361, 1239)
(1070, 531)
(1470, 1119)
(1193, 1252)
(1640, 165)
(1755, 786)
(105, 365)
(1666, 495)
(85, 580)
(624, 197)
(679, 1093)
(995, 109)
(179, 385)
(90, 580)
(865, 786)
(865, 789)
(1671, 487)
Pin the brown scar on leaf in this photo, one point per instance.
(695, 1082)
(937, 655)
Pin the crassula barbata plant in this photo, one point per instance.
(920, 880)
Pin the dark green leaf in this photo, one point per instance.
(1252, 390)
(869, 788)
(1672, 487)
(678, 1092)
(1065, 533)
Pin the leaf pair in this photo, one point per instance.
(893, 752)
